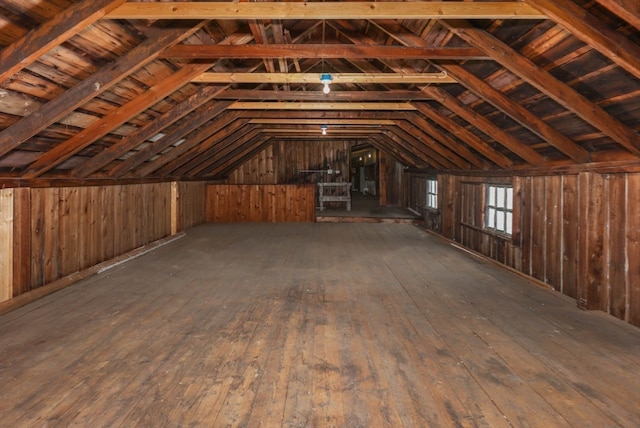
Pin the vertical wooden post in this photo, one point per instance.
(175, 208)
(21, 240)
(6, 244)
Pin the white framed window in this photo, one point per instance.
(499, 214)
(432, 194)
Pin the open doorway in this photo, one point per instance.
(364, 170)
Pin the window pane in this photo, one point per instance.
(509, 228)
(491, 216)
(510, 198)
(500, 220)
(492, 196)
(500, 197)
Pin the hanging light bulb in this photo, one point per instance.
(325, 79)
(324, 129)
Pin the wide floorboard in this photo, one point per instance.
(314, 325)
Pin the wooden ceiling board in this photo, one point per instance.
(59, 71)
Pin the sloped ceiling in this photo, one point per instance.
(120, 90)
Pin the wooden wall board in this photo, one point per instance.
(6, 244)
(260, 203)
(570, 235)
(615, 245)
(526, 221)
(538, 228)
(553, 228)
(282, 162)
(191, 204)
(590, 240)
(21, 240)
(633, 250)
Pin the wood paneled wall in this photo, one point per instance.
(49, 233)
(579, 233)
(227, 203)
(73, 228)
(190, 198)
(283, 161)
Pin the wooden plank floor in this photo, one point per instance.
(314, 325)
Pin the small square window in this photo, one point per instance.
(499, 209)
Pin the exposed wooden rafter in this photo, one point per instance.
(184, 130)
(98, 129)
(147, 132)
(78, 16)
(486, 126)
(592, 31)
(517, 112)
(629, 10)
(560, 92)
(505, 104)
(325, 10)
(464, 135)
(93, 86)
(229, 122)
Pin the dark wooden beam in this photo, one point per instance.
(275, 114)
(192, 160)
(399, 145)
(261, 142)
(418, 147)
(446, 140)
(383, 143)
(158, 40)
(593, 32)
(262, 51)
(546, 83)
(433, 147)
(222, 154)
(469, 138)
(486, 126)
(171, 158)
(93, 132)
(192, 123)
(516, 111)
(203, 94)
(629, 10)
(64, 25)
(264, 95)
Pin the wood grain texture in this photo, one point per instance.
(228, 203)
(6, 244)
(73, 228)
(314, 325)
(295, 161)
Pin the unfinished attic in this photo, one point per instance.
(340, 214)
